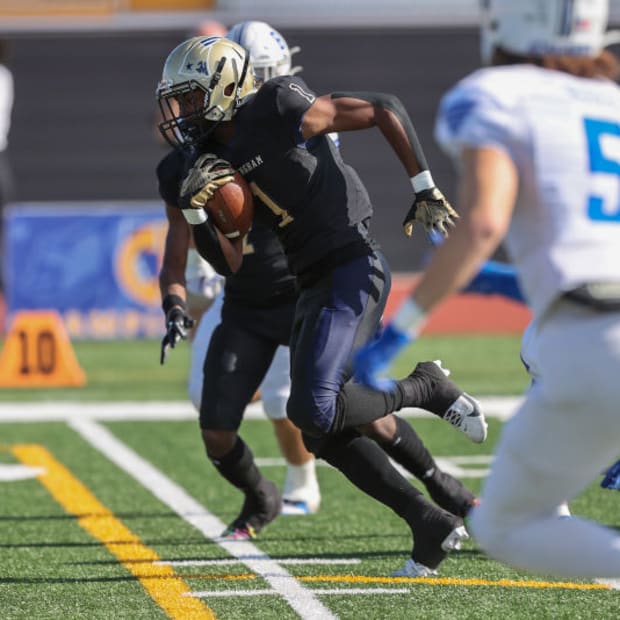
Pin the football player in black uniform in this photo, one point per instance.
(320, 211)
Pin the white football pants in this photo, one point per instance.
(563, 437)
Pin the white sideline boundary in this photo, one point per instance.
(500, 407)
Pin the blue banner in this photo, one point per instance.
(96, 263)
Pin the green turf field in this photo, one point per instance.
(130, 370)
(87, 537)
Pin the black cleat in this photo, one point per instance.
(444, 398)
(258, 511)
(437, 533)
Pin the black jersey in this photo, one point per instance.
(264, 278)
(316, 204)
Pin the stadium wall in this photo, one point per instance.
(82, 123)
(82, 126)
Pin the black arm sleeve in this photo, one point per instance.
(208, 246)
(394, 105)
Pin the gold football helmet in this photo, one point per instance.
(205, 81)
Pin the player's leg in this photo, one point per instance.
(365, 464)
(402, 444)
(300, 494)
(329, 318)
(236, 363)
(559, 441)
(334, 318)
(339, 311)
(202, 336)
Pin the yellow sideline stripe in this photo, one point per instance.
(160, 581)
(426, 581)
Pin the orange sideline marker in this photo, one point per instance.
(38, 353)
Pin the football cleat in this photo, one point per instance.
(301, 493)
(449, 402)
(412, 569)
(452, 542)
(245, 532)
(435, 533)
(291, 508)
(465, 414)
(258, 510)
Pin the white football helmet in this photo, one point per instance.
(538, 27)
(269, 51)
(214, 75)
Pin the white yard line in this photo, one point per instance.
(341, 591)
(501, 407)
(227, 562)
(614, 584)
(10, 473)
(300, 598)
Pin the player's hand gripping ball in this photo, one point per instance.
(213, 184)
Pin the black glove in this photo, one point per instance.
(177, 324)
(432, 210)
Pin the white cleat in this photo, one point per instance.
(452, 542)
(301, 494)
(292, 507)
(465, 414)
(412, 569)
(449, 402)
(454, 539)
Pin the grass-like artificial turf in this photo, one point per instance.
(52, 568)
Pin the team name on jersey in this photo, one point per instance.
(254, 163)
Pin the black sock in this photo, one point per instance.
(367, 466)
(428, 387)
(358, 405)
(408, 450)
(238, 467)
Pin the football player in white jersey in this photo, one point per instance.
(271, 56)
(537, 139)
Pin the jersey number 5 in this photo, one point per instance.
(600, 162)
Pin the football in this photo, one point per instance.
(232, 207)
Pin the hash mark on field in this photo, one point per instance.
(300, 598)
(10, 473)
(226, 561)
(320, 592)
(164, 586)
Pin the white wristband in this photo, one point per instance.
(409, 318)
(195, 216)
(421, 181)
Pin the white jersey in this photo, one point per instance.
(563, 134)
